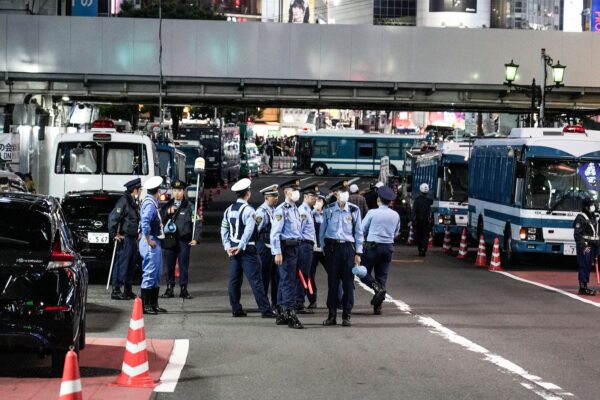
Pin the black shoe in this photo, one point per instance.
(331, 318)
(129, 293)
(281, 318)
(183, 293)
(346, 319)
(379, 295)
(168, 294)
(155, 306)
(147, 302)
(313, 306)
(293, 321)
(585, 291)
(239, 313)
(118, 295)
(300, 309)
(269, 314)
(377, 310)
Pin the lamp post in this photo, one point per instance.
(558, 73)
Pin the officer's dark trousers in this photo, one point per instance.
(377, 259)
(287, 277)
(422, 234)
(339, 258)
(305, 255)
(269, 273)
(585, 263)
(246, 263)
(181, 253)
(317, 258)
(125, 261)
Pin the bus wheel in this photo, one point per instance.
(511, 256)
(393, 170)
(320, 169)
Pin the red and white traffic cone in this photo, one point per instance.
(70, 387)
(135, 371)
(430, 243)
(447, 247)
(495, 264)
(481, 260)
(411, 236)
(462, 251)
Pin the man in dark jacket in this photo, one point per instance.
(182, 213)
(586, 241)
(421, 218)
(123, 223)
(371, 196)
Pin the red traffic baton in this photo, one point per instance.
(597, 276)
(301, 275)
(310, 288)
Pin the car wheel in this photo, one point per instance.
(320, 169)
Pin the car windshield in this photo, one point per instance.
(95, 158)
(23, 229)
(456, 183)
(164, 163)
(561, 185)
(88, 207)
(252, 150)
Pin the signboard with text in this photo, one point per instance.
(595, 15)
(85, 8)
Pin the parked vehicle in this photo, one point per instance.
(254, 160)
(43, 278)
(171, 166)
(11, 182)
(192, 149)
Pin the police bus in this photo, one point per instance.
(349, 151)
(446, 172)
(526, 189)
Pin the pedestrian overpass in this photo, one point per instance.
(267, 64)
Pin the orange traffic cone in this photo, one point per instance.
(495, 264)
(411, 237)
(70, 387)
(462, 251)
(447, 247)
(481, 260)
(430, 243)
(135, 369)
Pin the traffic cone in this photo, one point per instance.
(411, 236)
(481, 260)
(430, 243)
(135, 369)
(447, 247)
(70, 387)
(495, 264)
(462, 251)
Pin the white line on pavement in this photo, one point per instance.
(171, 374)
(546, 390)
(571, 295)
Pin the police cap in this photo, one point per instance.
(342, 185)
(241, 186)
(133, 184)
(153, 183)
(178, 184)
(272, 190)
(386, 193)
(322, 195)
(586, 202)
(293, 183)
(311, 189)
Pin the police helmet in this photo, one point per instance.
(424, 188)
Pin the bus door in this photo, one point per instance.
(304, 154)
(365, 157)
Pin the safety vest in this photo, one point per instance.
(236, 225)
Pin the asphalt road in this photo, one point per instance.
(448, 331)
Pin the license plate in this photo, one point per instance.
(95, 237)
(569, 250)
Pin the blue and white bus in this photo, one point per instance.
(349, 151)
(446, 172)
(526, 189)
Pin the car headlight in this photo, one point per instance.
(533, 234)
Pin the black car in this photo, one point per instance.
(43, 280)
(87, 215)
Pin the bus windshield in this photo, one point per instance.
(456, 183)
(94, 158)
(164, 163)
(561, 185)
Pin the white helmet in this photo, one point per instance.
(424, 188)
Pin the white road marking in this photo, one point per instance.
(546, 390)
(571, 295)
(171, 374)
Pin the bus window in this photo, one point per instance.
(78, 158)
(365, 149)
(125, 158)
(456, 183)
(164, 163)
(321, 148)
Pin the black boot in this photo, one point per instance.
(168, 294)
(377, 310)
(379, 295)
(147, 302)
(346, 319)
(331, 318)
(129, 293)
(585, 291)
(155, 306)
(281, 318)
(183, 293)
(117, 295)
(301, 309)
(293, 321)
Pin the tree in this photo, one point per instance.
(171, 9)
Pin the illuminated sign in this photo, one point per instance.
(595, 15)
(85, 8)
(468, 6)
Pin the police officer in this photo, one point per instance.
(125, 218)
(264, 222)
(421, 218)
(150, 249)
(380, 226)
(587, 242)
(341, 238)
(307, 244)
(181, 212)
(318, 257)
(371, 195)
(285, 242)
(238, 235)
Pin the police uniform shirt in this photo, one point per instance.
(381, 225)
(150, 223)
(318, 220)
(307, 226)
(342, 224)
(286, 226)
(264, 216)
(585, 231)
(126, 215)
(247, 218)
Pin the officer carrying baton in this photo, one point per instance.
(198, 169)
(112, 261)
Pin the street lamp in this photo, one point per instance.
(558, 74)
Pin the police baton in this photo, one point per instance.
(597, 276)
(112, 261)
(199, 165)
